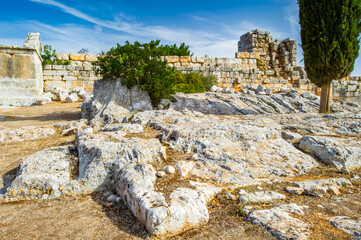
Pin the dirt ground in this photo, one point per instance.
(90, 217)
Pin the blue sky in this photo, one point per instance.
(209, 27)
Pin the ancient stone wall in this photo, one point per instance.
(21, 76)
(79, 73)
(260, 60)
(348, 87)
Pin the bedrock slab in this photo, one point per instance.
(185, 209)
(344, 154)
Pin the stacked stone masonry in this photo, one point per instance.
(79, 73)
(260, 60)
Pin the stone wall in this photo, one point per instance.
(21, 73)
(260, 60)
(348, 87)
(79, 73)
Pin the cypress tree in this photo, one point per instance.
(329, 34)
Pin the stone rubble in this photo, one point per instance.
(319, 187)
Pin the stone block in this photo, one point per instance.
(185, 59)
(59, 67)
(91, 58)
(186, 64)
(255, 55)
(70, 67)
(351, 88)
(242, 55)
(76, 63)
(48, 78)
(171, 59)
(62, 72)
(76, 57)
(49, 72)
(70, 78)
(63, 56)
(48, 67)
(88, 85)
(200, 59)
(49, 86)
(88, 68)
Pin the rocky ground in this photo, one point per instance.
(253, 165)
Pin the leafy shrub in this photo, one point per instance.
(189, 83)
(208, 81)
(49, 57)
(141, 64)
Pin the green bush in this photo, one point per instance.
(208, 81)
(189, 83)
(49, 57)
(141, 64)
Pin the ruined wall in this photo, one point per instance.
(79, 73)
(21, 73)
(260, 60)
(348, 87)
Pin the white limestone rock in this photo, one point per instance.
(126, 127)
(100, 155)
(112, 101)
(62, 95)
(169, 169)
(347, 225)
(25, 134)
(343, 154)
(45, 174)
(280, 223)
(186, 209)
(320, 187)
(260, 197)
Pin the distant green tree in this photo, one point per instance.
(49, 57)
(329, 34)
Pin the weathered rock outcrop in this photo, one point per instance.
(112, 101)
(341, 153)
(45, 174)
(101, 153)
(186, 209)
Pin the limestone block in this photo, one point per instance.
(255, 55)
(91, 58)
(70, 67)
(49, 86)
(77, 57)
(69, 78)
(76, 63)
(242, 55)
(185, 59)
(88, 68)
(61, 73)
(59, 67)
(200, 59)
(48, 78)
(48, 67)
(63, 56)
(49, 72)
(185, 64)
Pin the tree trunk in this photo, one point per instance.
(325, 98)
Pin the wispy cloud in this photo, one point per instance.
(292, 17)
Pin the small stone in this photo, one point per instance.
(62, 94)
(118, 199)
(169, 169)
(334, 190)
(109, 193)
(242, 192)
(161, 174)
(72, 98)
(356, 177)
(214, 88)
(111, 198)
(295, 190)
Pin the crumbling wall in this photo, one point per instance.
(21, 73)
